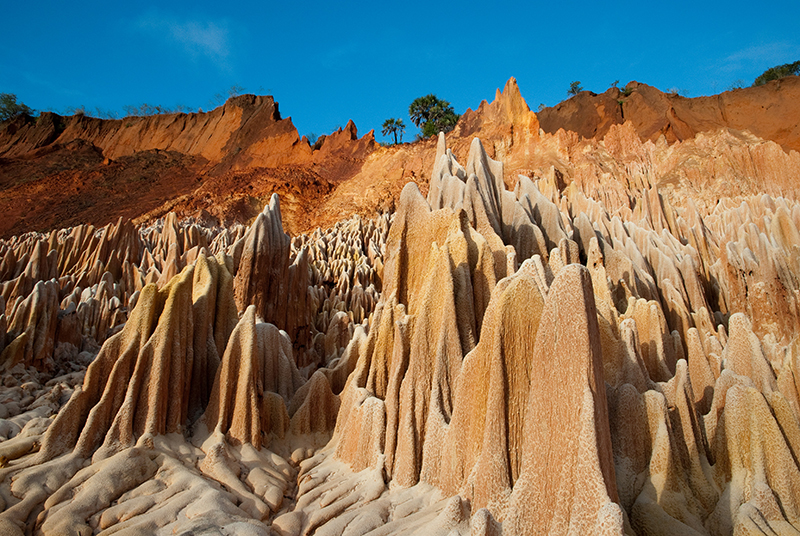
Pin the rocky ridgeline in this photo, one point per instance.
(586, 353)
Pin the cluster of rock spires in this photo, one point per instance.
(590, 352)
(175, 357)
(571, 372)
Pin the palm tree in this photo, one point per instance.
(394, 126)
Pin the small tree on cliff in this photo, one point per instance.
(394, 127)
(574, 88)
(432, 115)
(10, 108)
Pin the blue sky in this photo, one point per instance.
(327, 63)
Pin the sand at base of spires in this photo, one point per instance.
(331, 499)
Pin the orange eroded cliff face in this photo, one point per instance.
(57, 171)
(244, 122)
(615, 163)
(769, 111)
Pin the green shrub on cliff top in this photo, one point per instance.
(779, 71)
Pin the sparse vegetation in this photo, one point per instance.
(432, 115)
(777, 72)
(235, 90)
(626, 91)
(615, 83)
(105, 114)
(150, 109)
(737, 84)
(129, 110)
(10, 108)
(574, 88)
(312, 138)
(677, 92)
(393, 127)
(219, 98)
(76, 110)
(98, 112)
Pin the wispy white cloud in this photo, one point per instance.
(761, 56)
(197, 38)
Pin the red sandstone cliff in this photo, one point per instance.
(56, 171)
(771, 112)
(246, 132)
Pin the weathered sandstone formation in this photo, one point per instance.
(585, 337)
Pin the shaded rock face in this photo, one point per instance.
(598, 350)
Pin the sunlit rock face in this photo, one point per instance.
(593, 348)
(762, 110)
